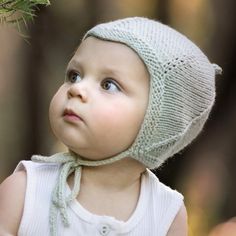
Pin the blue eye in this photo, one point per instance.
(73, 77)
(110, 86)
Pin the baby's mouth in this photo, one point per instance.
(71, 116)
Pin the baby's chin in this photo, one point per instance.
(90, 156)
(97, 153)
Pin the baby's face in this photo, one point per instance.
(98, 111)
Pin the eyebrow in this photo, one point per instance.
(74, 64)
(111, 70)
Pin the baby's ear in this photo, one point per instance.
(12, 195)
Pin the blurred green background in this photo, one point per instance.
(30, 74)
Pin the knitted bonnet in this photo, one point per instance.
(181, 95)
(182, 86)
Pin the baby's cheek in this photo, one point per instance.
(112, 118)
(119, 124)
(56, 109)
(53, 108)
(58, 101)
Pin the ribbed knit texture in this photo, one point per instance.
(182, 93)
(155, 211)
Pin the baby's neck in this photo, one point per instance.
(111, 190)
(115, 176)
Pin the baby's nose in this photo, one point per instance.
(78, 90)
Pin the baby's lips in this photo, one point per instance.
(70, 113)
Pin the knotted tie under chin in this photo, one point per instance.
(71, 163)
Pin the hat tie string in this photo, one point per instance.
(71, 163)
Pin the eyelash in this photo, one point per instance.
(71, 74)
(111, 81)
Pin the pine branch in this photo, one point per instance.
(19, 11)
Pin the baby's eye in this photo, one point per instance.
(110, 85)
(73, 77)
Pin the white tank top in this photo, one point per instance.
(156, 209)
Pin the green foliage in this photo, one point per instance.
(19, 11)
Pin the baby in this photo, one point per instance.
(136, 92)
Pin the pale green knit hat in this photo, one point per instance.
(182, 86)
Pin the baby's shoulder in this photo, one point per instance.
(36, 166)
(164, 203)
(161, 189)
(38, 173)
(12, 194)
